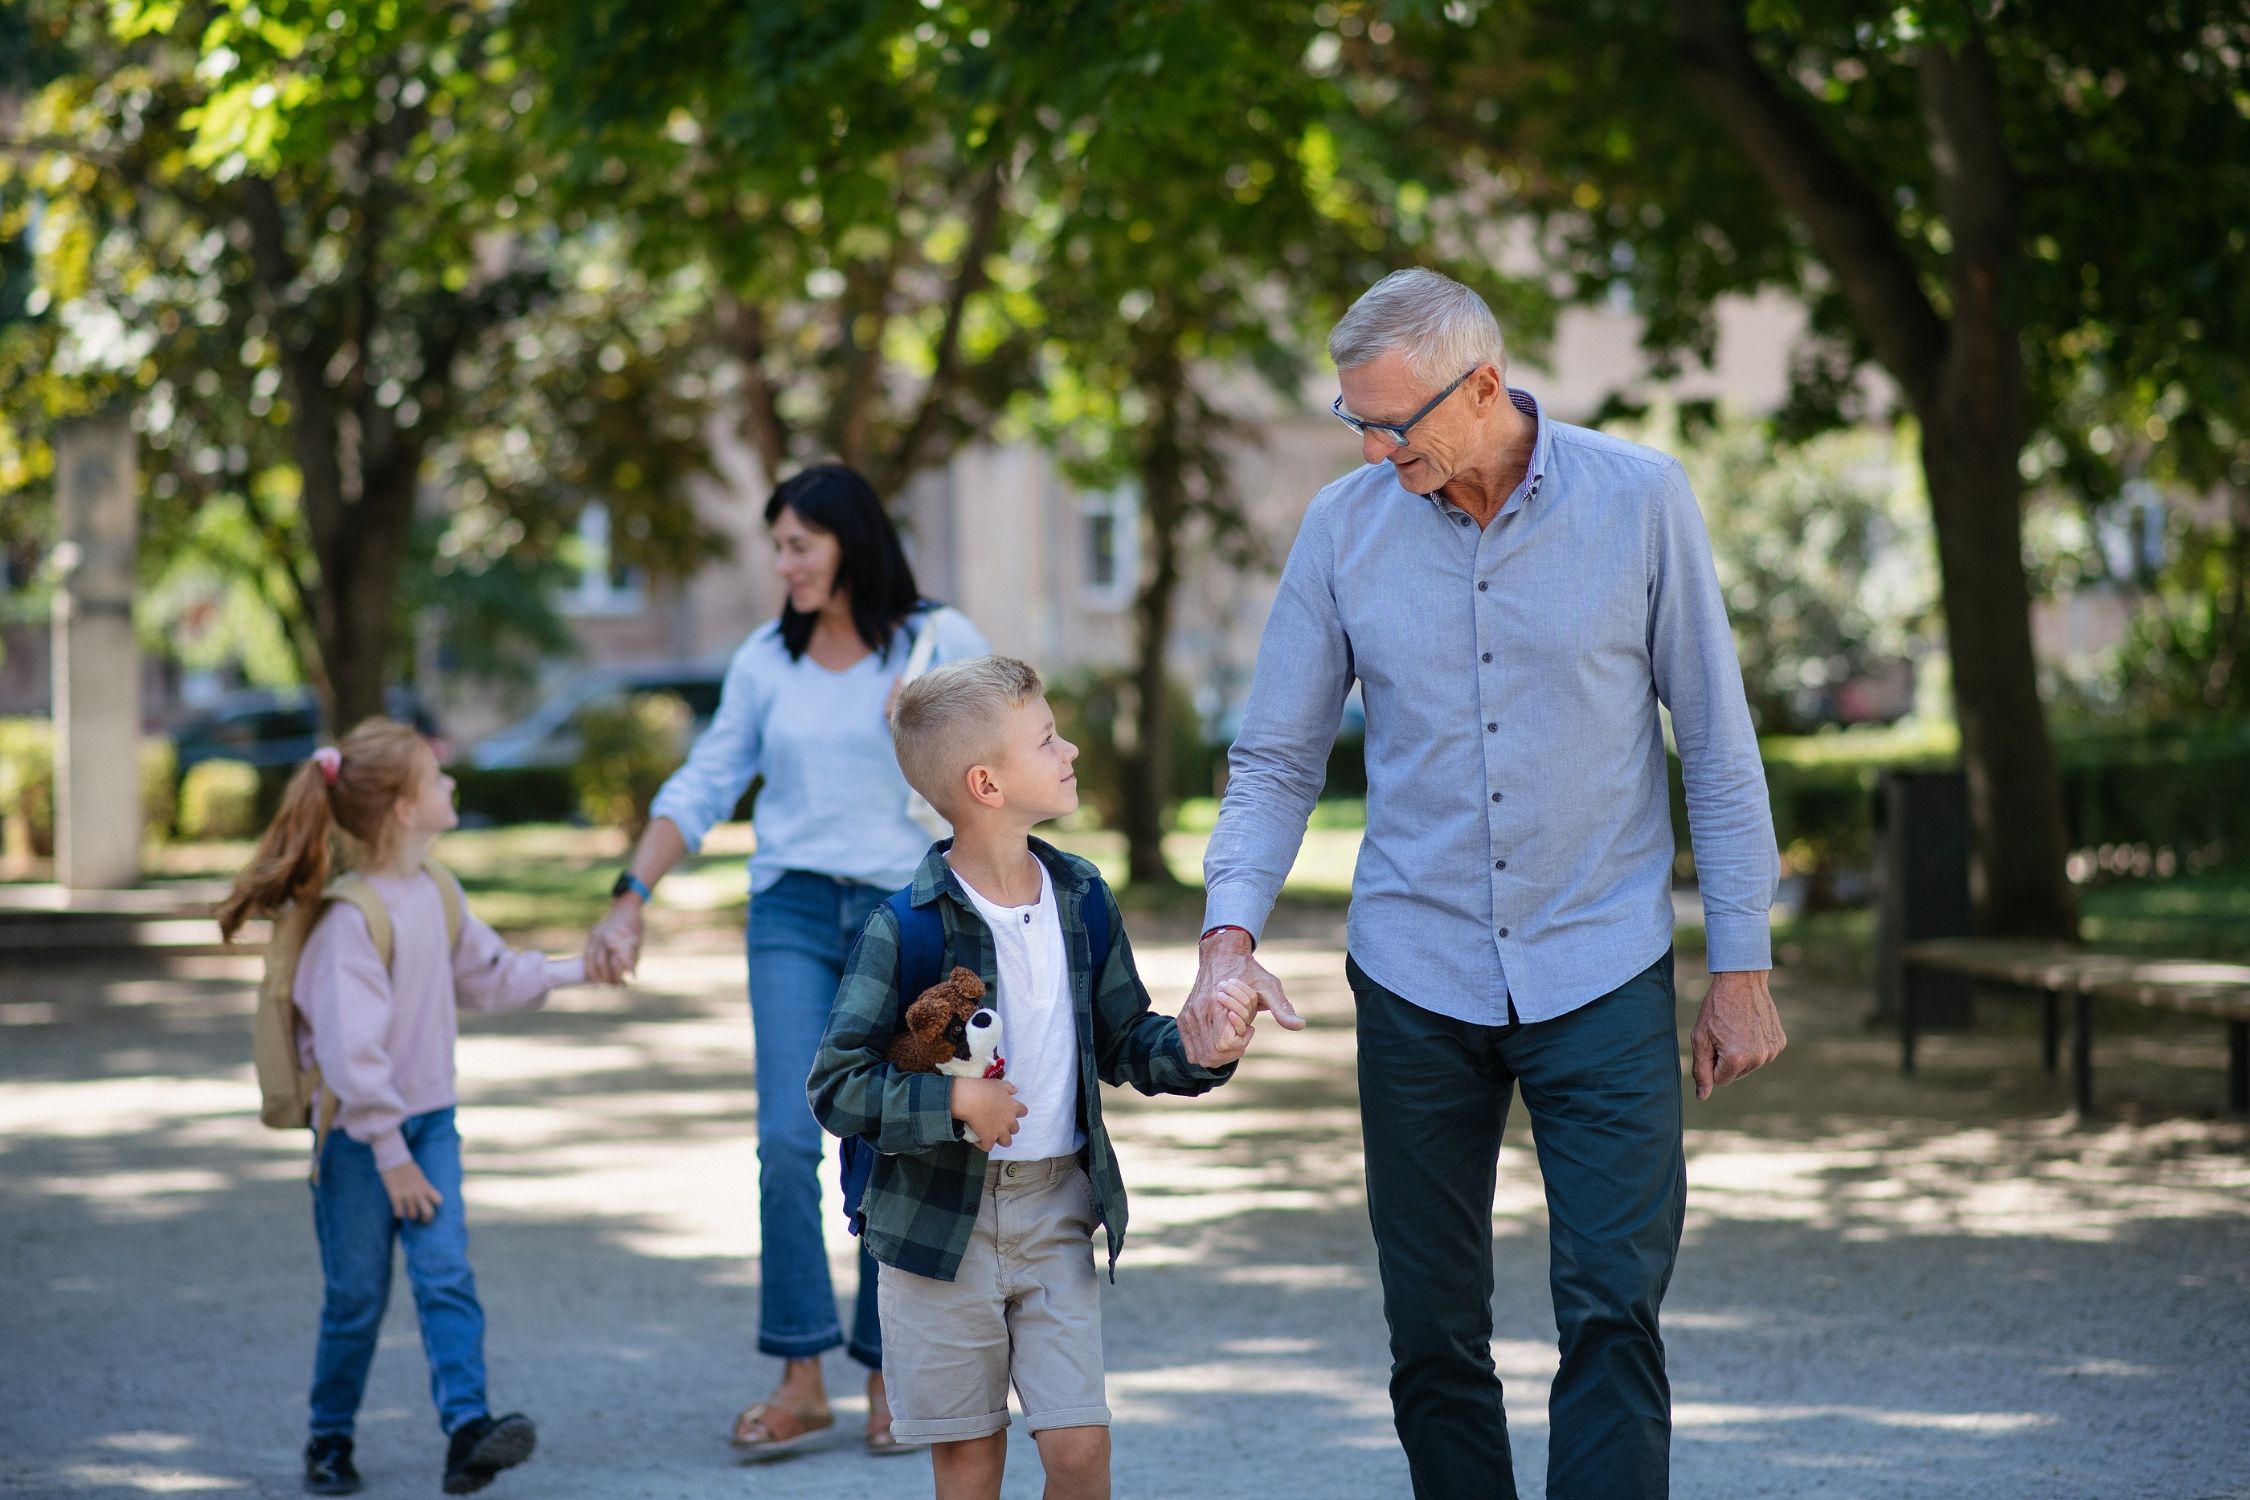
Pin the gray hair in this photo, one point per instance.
(1441, 326)
(953, 717)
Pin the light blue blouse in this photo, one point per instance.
(834, 802)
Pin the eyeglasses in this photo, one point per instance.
(1395, 433)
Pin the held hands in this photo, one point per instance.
(1216, 1025)
(988, 1107)
(412, 1197)
(613, 948)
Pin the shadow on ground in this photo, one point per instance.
(1888, 1289)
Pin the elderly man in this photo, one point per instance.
(1515, 597)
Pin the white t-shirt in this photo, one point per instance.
(1038, 1034)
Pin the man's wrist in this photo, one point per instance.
(1218, 936)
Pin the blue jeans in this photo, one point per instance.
(801, 928)
(352, 1216)
(1602, 1085)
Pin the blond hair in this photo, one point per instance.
(953, 717)
(378, 764)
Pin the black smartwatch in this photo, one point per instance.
(631, 882)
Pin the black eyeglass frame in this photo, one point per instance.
(1396, 433)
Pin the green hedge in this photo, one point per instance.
(27, 787)
(537, 794)
(219, 800)
(2185, 793)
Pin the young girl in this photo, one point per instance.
(390, 1165)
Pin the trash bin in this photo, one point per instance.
(1922, 842)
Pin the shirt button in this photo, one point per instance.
(1503, 932)
(1492, 729)
(1481, 587)
(1488, 656)
(1499, 864)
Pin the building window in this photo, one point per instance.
(604, 587)
(1111, 525)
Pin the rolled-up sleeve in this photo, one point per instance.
(706, 787)
(1280, 759)
(1699, 678)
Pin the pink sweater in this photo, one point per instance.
(384, 1040)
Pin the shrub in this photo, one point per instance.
(624, 755)
(160, 788)
(27, 787)
(522, 794)
(219, 800)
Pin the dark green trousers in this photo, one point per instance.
(1602, 1085)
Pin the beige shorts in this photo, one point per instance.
(1027, 1285)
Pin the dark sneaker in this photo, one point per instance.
(479, 1450)
(328, 1466)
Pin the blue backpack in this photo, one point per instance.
(921, 949)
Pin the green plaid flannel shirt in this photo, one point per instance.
(921, 1203)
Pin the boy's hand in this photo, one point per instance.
(988, 1107)
(412, 1197)
(1216, 1026)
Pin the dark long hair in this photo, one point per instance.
(873, 569)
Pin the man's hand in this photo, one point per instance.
(1736, 1033)
(614, 946)
(1215, 1028)
(988, 1107)
(412, 1197)
(1224, 954)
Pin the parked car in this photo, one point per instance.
(268, 727)
(547, 737)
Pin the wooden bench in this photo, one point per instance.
(2057, 971)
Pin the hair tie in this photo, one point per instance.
(331, 763)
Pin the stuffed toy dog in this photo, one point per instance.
(950, 1030)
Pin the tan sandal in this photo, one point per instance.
(758, 1437)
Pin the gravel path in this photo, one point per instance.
(1887, 1290)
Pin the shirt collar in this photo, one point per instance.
(1541, 447)
(935, 875)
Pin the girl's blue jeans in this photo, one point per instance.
(352, 1216)
(801, 927)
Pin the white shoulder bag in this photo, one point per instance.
(917, 662)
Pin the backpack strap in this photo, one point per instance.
(921, 949)
(1094, 912)
(450, 897)
(354, 891)
(921, 944)
(924, 649)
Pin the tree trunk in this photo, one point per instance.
(1963, 376)
(1147, 765)
(2017, 880)
(361, 558)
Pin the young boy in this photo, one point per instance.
(987, 1254)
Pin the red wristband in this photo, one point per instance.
(1230, 927)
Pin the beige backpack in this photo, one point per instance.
(287, 1090)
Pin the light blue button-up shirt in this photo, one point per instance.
(834, 802)
(1519, 845)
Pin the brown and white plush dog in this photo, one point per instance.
(950, 1030)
